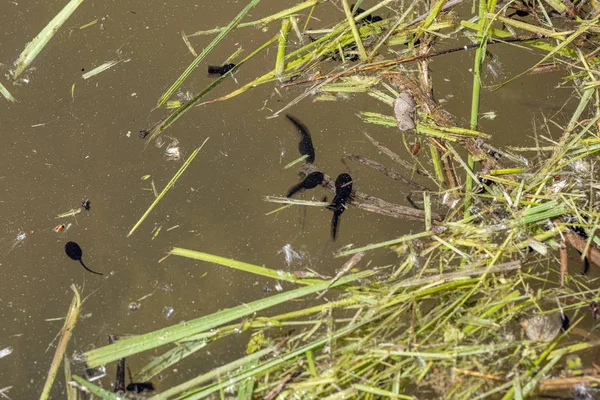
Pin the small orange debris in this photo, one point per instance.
(59, 228)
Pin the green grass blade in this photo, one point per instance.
(166, 189)
(283, 39)
(71, 391)
(6, 93)
(39, 42)
(98, 391)
(359, 44)
(103, 67)
(67, 330)
(176, 354)
(163, 336)
(380, 393)
(247, 387)
(163, 99)
(242, 266)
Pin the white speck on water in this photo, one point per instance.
(6, 352)
(168, 312)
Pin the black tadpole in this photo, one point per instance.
(305, 146)
(140, 387)
(74, 252)
(369, 18)
(312, 180)
(220, 70)
(343, 189)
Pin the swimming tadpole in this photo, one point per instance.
(219, 70)
(75, 253)
(343, 190)
(305, 146)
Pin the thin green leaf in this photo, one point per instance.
(166, 189)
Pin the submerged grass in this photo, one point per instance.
(452, 318)
(167, 187)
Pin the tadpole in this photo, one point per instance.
(220, 70)
(313, 180)
(305, 146)
(74, 252)
(343, 190)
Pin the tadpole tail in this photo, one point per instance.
(93, 272)
(295, 189)
(302, 129)
(335, 221)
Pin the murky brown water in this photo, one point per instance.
(60, 150)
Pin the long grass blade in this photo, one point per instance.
(242, 266)
(283, 38)
(163, 99)
(138, 344)
(173, 356)
(166, 189)
(41, 40)
(67, 330)
(359, 44)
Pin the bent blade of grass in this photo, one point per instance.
(39, 42)
(6, 93)
(67, 330)
(163, 99)
(166, 189)
(161, 337)
(242, 266)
